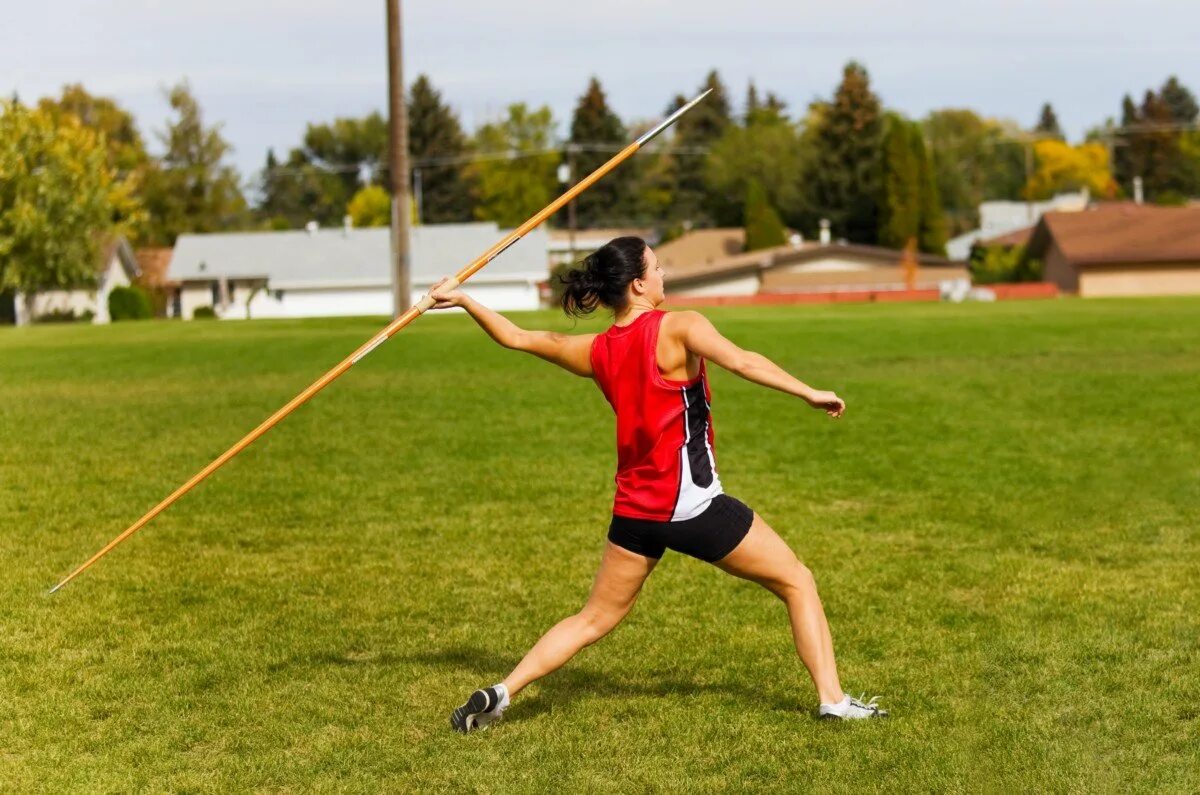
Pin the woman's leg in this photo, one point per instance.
(763, 557)
(615, 590)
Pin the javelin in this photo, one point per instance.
(392, 328)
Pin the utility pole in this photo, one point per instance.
(398, 163)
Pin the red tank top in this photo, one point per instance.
(666, 465)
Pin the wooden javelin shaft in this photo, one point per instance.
(391, 329)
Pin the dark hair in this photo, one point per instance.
(603, 276)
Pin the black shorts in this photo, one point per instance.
(710, 536)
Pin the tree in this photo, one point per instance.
(513, 188)
(434, 133)
(1047, 124)
(698, 129)
(974, 160)
(116, 127)
(352, 148)
(60, 201)
(910, 208)
(1151, 148)
(1179, 101)
(900, 207)
(296, 192)
(845, 171)
(764, 229)
(191, 188)
(371, 206)
(767, 150)
(126, 150)
(1062, 167)
(609, 201)
(931, 233)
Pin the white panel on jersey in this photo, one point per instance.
(693, 499)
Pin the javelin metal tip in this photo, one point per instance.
(667, 122)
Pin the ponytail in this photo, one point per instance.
(602, 278)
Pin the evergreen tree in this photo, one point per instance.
(1047, 124)
(191, 188)
(845, 171)
(295, 192)
(753, 106)
(608, 202)
(699, 128)
(434, 132)
(932, 232)
(764, 229)
(900, 203)
(1180, 101)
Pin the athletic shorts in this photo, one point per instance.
(710, 536)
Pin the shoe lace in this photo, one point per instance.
(870, 705)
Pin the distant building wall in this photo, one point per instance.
(740, 285)
(1056, 269)
(1140, 280)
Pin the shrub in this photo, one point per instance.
(204, 313)
(129, 303)
(999, 264)
(764, 229)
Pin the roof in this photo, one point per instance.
(701, 246)
(1017, 237)
(119, 248)
(1121, 233)
(764, 259)
(153, 263)
(354, 257)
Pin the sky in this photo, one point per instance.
(263, 69)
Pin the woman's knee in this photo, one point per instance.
(599, 621)
(797, 583)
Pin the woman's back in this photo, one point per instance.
(666, 465)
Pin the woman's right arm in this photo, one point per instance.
(702, 338)
(572, 352)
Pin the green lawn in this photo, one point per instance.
(1004, 528)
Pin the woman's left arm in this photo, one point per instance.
(572, 352)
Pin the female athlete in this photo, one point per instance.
(650, 365)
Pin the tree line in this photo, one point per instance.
(76, 169)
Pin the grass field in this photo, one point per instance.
(1003, 528)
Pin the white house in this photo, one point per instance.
(998, 218)
(118, 268)
(345, 271)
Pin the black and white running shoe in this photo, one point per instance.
(850, 708)
(483, 707)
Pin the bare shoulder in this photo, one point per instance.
(679, 323)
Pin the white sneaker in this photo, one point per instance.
(850, 708)
(483, 707)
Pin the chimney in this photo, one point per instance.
(1138, 198)
(311, 227)
(825, 236)
(347, 225)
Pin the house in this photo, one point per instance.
(809, 268)
(1121, 249)
(701, 247)
(118, 268)
(998, 218)
(566, 246)
(345, 271)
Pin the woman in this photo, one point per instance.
(650, 366)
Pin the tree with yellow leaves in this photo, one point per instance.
(61, 201)
(1062, 167)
